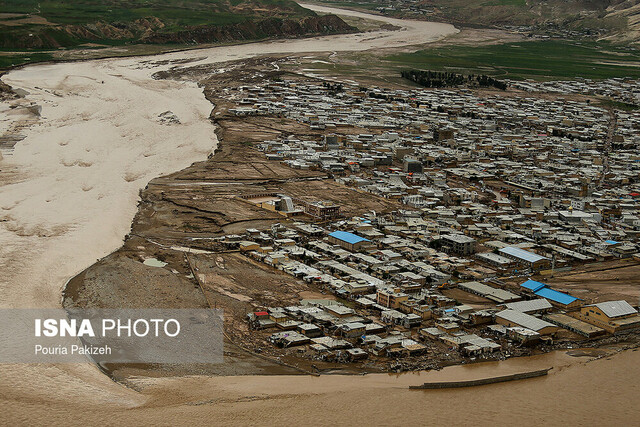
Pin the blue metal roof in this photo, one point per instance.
(533, 286)
(611, 242)
(556, 296)
(521, 254)
(348, 237)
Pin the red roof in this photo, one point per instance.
(261, 313)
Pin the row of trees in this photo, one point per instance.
(333, 87)
(446, 79)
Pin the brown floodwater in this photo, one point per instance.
(579, 390)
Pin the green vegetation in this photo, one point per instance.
(520, 3)
(13, 60)
(619, 105)
(536, 59)
(32, 30)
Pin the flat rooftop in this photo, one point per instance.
(574, 324)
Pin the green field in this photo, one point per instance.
(32, 30)
(13, 60)
(541, 60)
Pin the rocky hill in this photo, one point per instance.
(618, 20)
(29, 24)
(252, 30)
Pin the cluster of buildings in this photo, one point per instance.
(626, 90)
(561, 174)
(391, 299)
(417, 9)
(487, 187)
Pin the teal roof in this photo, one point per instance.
(556, 296)
(532, 285)
(348, 237)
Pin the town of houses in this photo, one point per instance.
(492, 189)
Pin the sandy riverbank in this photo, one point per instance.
(99, 140)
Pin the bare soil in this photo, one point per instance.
(606, 281)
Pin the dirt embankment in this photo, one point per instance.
(6, 91)
(270, 27)
(153, 31)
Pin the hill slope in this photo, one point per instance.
(615, 19)
(33, 24)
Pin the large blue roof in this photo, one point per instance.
(532, 285)
(556, 296)
(348, 237)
